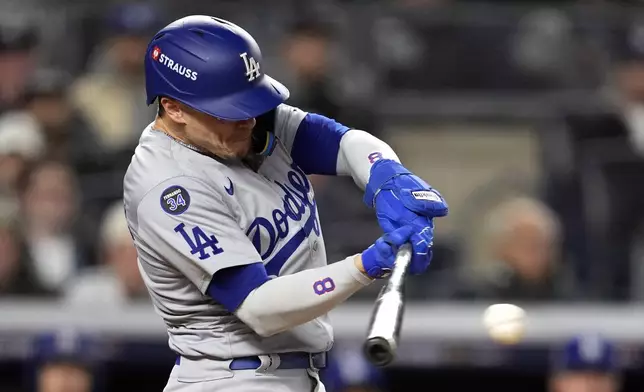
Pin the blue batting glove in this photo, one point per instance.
(378, 260)
(421, 245)
(391, 216)
(401, 198)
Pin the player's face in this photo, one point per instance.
(64, 378)
(224, 138)
(584, 382)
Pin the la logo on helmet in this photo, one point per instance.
(252, 66)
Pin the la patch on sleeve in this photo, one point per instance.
(175, 200)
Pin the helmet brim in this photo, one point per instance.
(264, 96)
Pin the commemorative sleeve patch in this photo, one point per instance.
(175, 200)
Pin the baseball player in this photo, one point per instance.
(586, 363)
(225, 222)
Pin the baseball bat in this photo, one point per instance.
(386, 318)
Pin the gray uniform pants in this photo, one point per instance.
(215, 376)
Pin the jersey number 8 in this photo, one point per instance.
(324, 286)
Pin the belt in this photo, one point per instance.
(287, 361)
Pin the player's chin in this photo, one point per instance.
(241, 148)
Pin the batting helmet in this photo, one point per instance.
(213, 66)
(586, 352)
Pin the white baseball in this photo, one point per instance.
(505, 323)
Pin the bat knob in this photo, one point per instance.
(378, 351)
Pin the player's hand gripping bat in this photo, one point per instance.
(386, 319)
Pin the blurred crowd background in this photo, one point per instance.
(527, 115)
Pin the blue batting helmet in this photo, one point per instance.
(213, 66)
(586, 352)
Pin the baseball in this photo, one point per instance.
(505, 323)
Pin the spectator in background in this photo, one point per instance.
(21, 143)
(46, 126)
(67, 136)
(322, 78)
(64, 362)
(112, 94)
(57, 241)
(70, 139)
(594, 169)
(587, 363)
(307, 50)
(117, 281)
(522, 236)
(17, 277)
(18, 42)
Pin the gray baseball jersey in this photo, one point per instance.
(191, 216)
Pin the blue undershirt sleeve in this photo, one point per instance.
(317, 144)
(231, 286)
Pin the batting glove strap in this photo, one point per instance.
(381, 172)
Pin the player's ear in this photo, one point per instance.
(173, 109)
